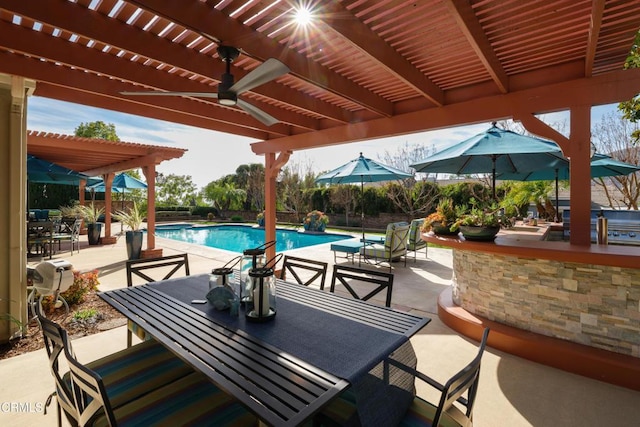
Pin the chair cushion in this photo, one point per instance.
(339, 411)
(138, 331)
(421, 413)
(418, 244)
(375, 250)
(190, 401)
(130, 373)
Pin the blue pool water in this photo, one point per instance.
(236, 238)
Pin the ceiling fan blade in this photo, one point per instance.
(157, 93)
(267, 71)
(257, 113)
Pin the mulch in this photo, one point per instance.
(107, 318)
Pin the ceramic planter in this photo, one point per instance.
(442, 230)
(93, 233)
(471, 232)
(133, 240)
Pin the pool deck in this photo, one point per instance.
(513, 391)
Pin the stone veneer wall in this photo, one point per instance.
(593, 305)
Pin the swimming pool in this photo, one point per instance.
(236, 238)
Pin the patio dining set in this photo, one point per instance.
(200, 365)
(43, 234)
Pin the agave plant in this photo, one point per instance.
(132, 218)
(90, 213)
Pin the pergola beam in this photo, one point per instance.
(217, 26)
(468, 23)
(604, 89)
(342, 21)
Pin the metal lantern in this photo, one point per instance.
(251, 259)
(263, 290)
(221, 277)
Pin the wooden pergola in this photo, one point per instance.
(100, 157)
(361, 69)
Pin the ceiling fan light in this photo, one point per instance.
(227, 98)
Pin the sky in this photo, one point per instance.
(206, 149)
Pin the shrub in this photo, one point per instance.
(237, 218)
(204, 211)
(83, 283)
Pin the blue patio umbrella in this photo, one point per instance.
(601, 166)
(45, 172)
(362, 170)
(122, 183)
(494, 151)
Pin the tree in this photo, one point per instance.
(175, 190)
(294, 183)
(224, 196)
(631, 109)
(613, 135)
(344, 196)
(97, 129)
(251, 179)
(412, 196)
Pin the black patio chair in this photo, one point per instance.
(189, 400)
(355, 279)
(452, 410)
(153, 270)
(297, 267)
(127, 374)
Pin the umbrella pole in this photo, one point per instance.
(122, 225)
(362, 206)
(557, 201)
(493, 177)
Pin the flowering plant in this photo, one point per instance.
(316, 221)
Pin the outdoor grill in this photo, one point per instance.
(623, 226)
(52, 277)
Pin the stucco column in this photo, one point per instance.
(13, 213)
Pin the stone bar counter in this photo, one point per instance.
(576, 308)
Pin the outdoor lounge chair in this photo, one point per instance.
(394, 247)
(415, 240)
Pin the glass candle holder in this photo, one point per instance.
(251, 259)
(263, 290)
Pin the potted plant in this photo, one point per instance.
(133, 219)
(442, 220)
(90, 214)
(260, 219)
(480, 224)
(315, 221)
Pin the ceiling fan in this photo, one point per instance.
(228, 91)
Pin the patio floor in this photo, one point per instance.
(513, 391)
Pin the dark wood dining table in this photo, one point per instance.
(286, 370)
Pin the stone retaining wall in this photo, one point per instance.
(593, 305)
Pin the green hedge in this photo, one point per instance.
(173, 208)
(204, 211)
